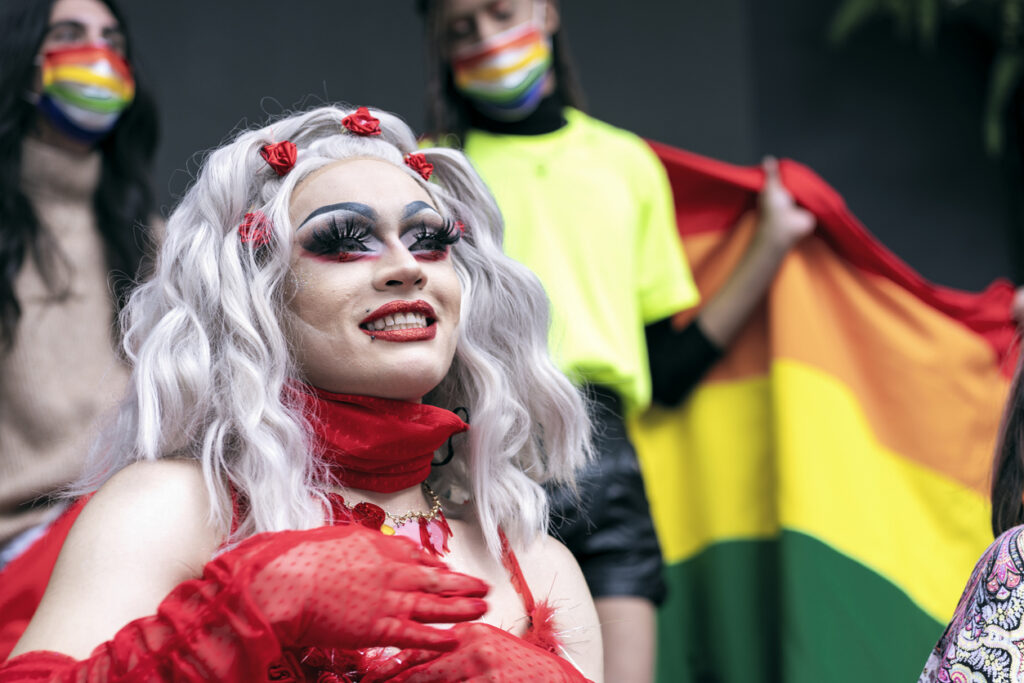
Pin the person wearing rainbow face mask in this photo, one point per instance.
(588, 208)
(77, 138)
(507, 76)
(84, 91)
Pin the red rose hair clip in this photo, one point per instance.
(280, 156)
(255, 228)
(362, 122)
(418, 162)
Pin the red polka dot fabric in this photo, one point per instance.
(334, 604)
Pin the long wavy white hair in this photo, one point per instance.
(211, 355)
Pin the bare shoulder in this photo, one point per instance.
(141, 534)
(148, 507)
(547, 554)
(552, 574)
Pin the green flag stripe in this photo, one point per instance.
(792, 610)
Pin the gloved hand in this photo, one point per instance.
(344, 587)
(371, 590)
(484, 653)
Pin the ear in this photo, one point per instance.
(552, 19)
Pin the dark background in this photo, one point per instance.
(896, 129)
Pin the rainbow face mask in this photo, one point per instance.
(85, 90)
(504, 76)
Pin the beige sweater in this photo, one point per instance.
(63, 373)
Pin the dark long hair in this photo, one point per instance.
(448, 112)
(123, 202)
(1008, 468)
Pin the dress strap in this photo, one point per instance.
(541, 630)
(515, 573)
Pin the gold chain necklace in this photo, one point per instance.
(435, 509)
(364, 512)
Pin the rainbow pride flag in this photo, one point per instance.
(822, 496)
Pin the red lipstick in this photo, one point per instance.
(406, 335)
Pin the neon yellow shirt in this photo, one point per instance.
(588, 208)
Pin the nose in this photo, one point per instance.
(397, 268)
(487, 26)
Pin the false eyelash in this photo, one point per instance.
(331, 237)
(446, 235)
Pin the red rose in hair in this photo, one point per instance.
(280, 156)
(369, 515)
(255, 228)
(418, 162)
(362, 122)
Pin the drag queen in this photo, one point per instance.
(330, 306)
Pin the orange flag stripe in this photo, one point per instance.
(830, 315)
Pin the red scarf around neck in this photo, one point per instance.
(377, 444)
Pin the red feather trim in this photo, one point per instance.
(542, 631)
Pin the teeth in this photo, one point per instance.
(399, 321)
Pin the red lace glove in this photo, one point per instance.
(342, 587)
(485, 653)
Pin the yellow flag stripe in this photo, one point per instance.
(918, 528)
(725, 493)
(809, 463)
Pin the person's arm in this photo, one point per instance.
(343, 587)
(1017, 307)
(780, 225)
(680, 358)
(983, 629)
(553, 574)
(140, 535)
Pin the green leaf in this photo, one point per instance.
(928, 22)
(904, 12)
(850, 16)
(1004, 78)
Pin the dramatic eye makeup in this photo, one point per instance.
(431, 240)
(342, 236)
(341, 231)
(346, 232)
(426, 234)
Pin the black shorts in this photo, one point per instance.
(609, 528)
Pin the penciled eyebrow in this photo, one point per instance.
(414, 208)
(355, 207)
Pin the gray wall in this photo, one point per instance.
(895, 130)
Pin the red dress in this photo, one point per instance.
(214, 628)
(331, 605)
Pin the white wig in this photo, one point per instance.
(211, 355)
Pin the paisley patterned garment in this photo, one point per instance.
(984, 643)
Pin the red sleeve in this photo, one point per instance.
(23, 581)
(336, 587)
